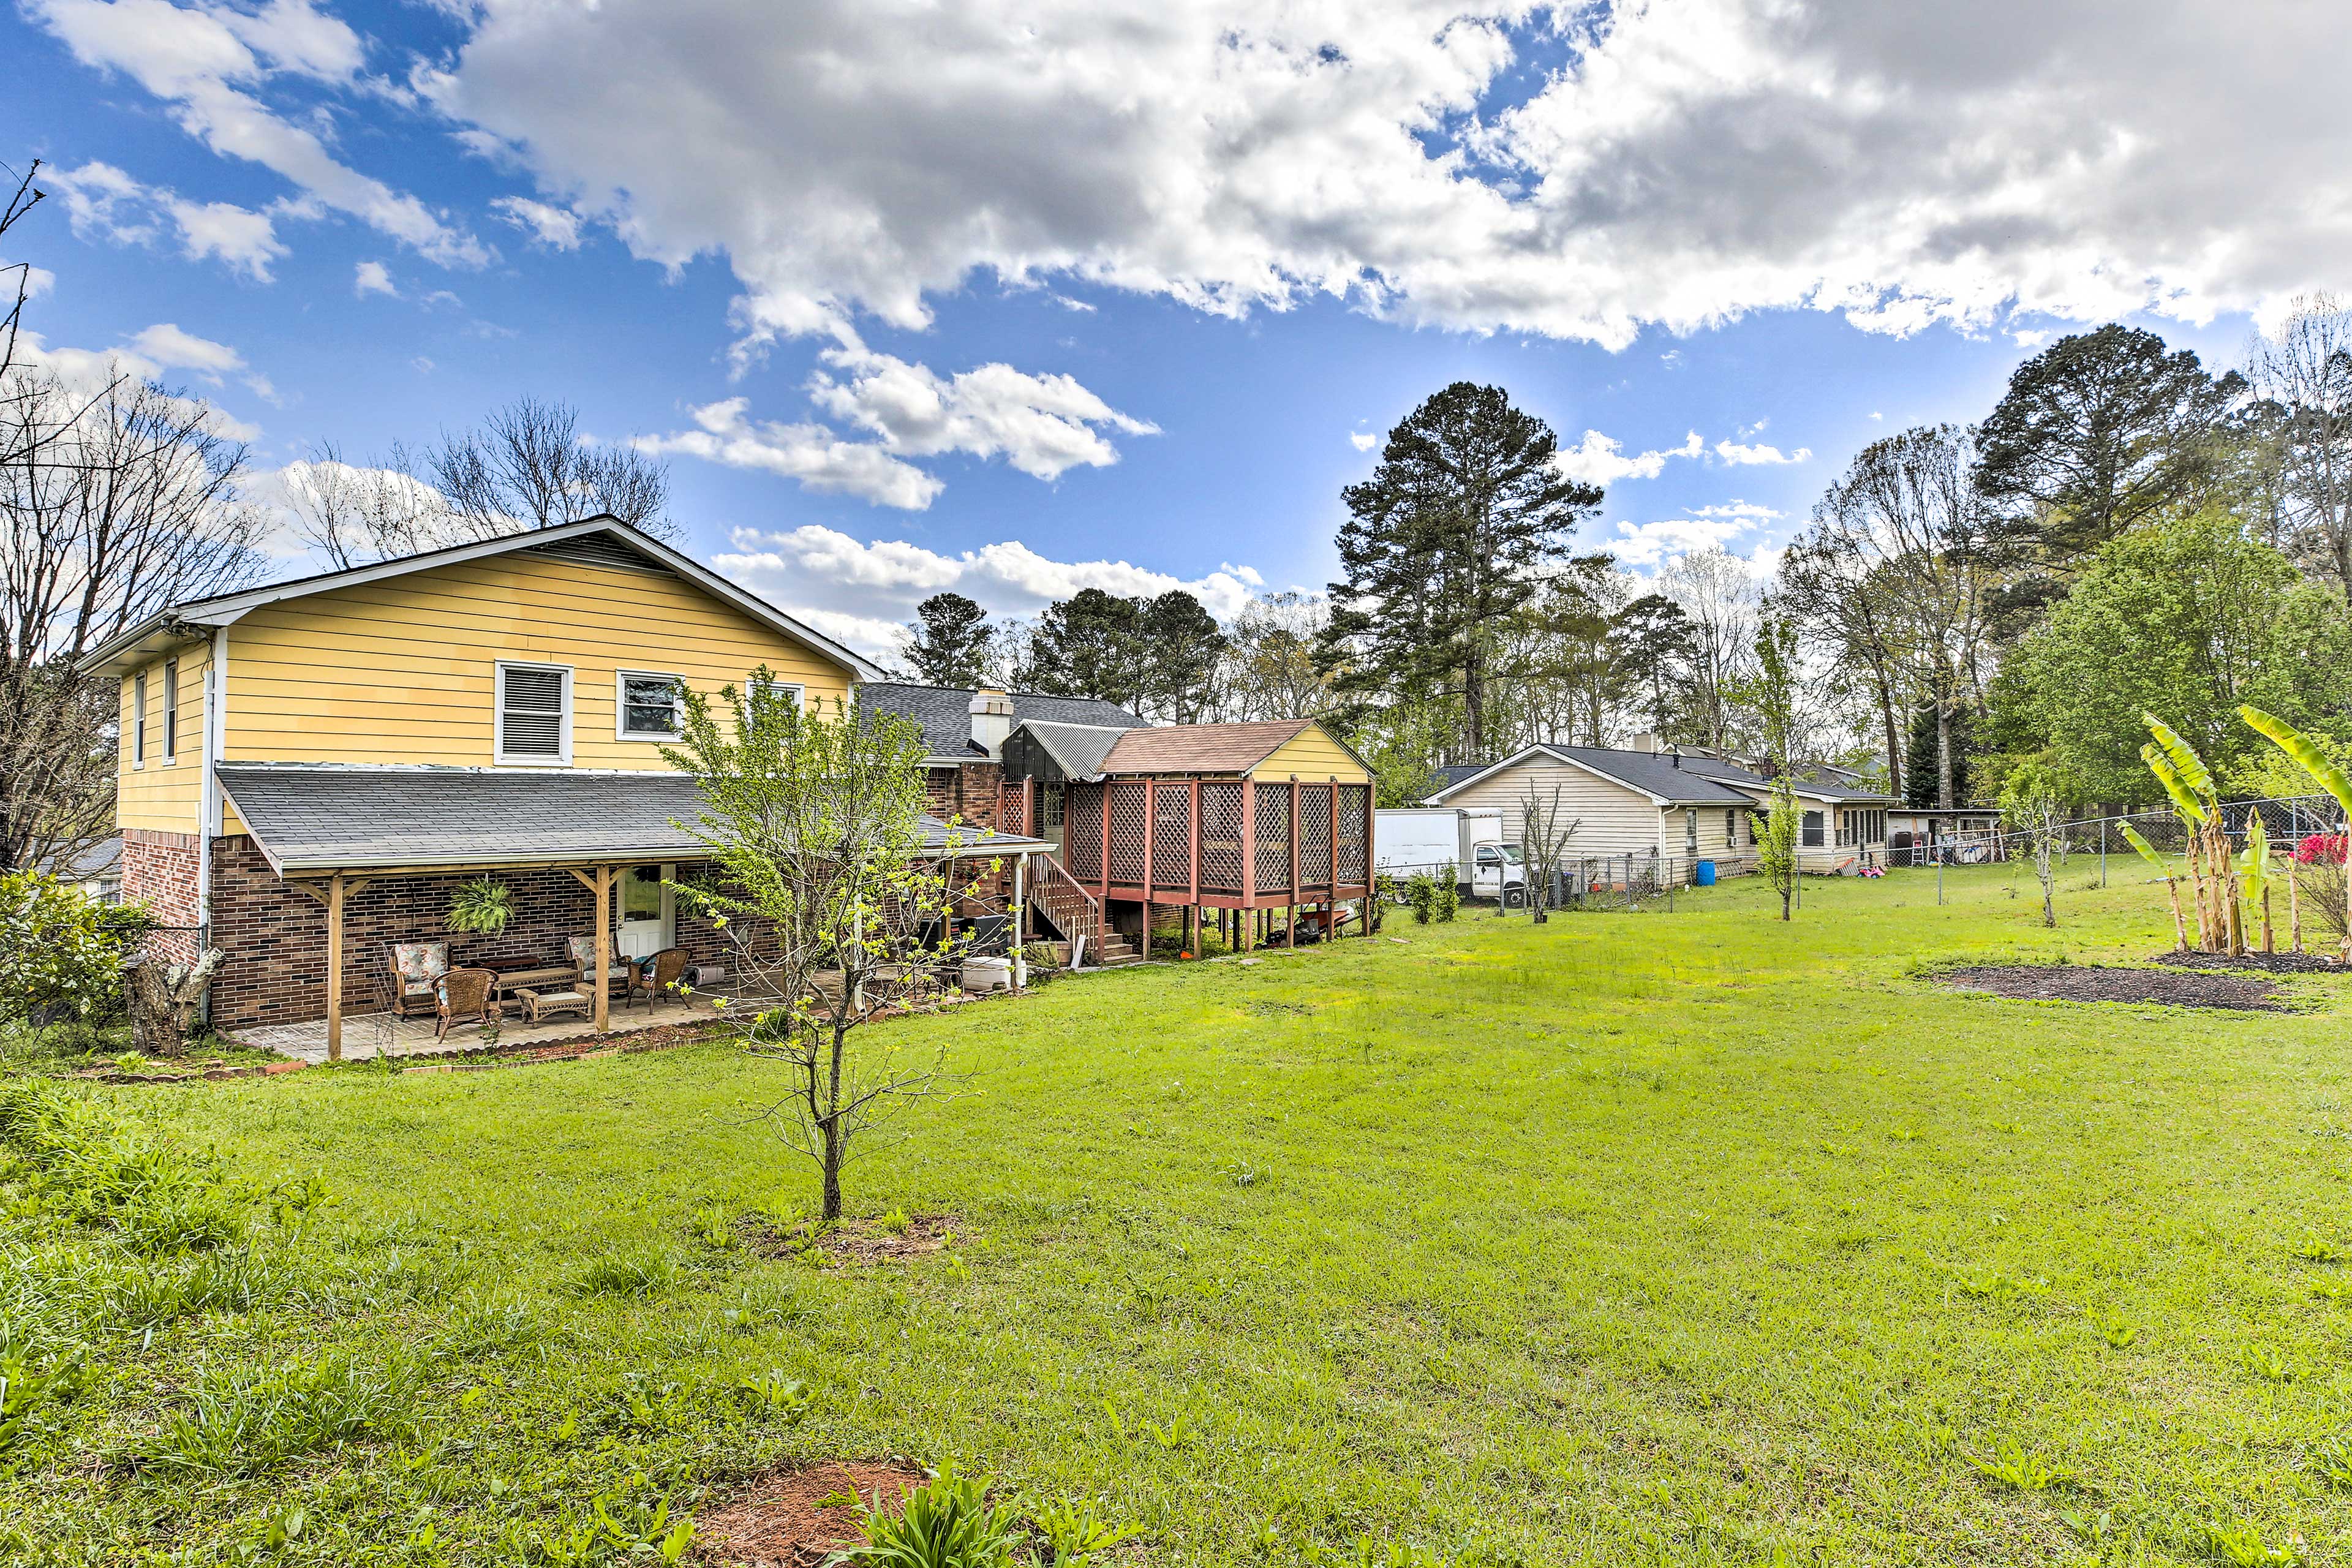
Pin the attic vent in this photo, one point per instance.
(597, 550)
(534, 713)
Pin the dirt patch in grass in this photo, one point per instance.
(2258, 962)
(796, 1518)
(851, 1240)
(2094, 983)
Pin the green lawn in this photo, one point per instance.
(1629, 1239)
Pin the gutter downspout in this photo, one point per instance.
(208, 811)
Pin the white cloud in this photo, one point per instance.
(1042, 424)
(1748, 511)
(1600, 459)
(864, 591)
(1362, 440)
(212, 62)
(1758, 454)
(102, 202)
(811, 454)
(557, 228)
(1904, 163)
(374, 278)
(151, 355)
(1652, 545)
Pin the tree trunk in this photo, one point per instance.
(1474, 704)
(1894, 729)
(1943, 791)
(2179, 926)
(165, 999)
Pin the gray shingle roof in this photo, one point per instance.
(1452, 774)
(1825, 789)
(945, 712)
(312, 819)
(1649, 772)
(1078, 748)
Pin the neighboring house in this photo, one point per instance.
(1623, 802)
(976, 739)
(309, 768)
(1678, 804)
(97, 870)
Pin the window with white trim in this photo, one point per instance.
(139, 720)
(652, 707)
(171, 710)
(790, 691)
(534, 713)
(1690, 830)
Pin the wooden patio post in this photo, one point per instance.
(1150, 832)
(335, 967)
(1291, 909)
(604, 985)
(1021, 915)
(1371, 860)
(1246, 917)
(1103, 866)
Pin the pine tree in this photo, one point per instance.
(1444, 543)
(950, 641)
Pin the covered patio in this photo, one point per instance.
(346, 861)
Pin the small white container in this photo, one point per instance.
(982, 975)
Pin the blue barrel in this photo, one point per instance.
(1705, 874)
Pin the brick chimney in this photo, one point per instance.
(992, 720)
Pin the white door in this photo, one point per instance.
(648, 912)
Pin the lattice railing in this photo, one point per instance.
(1128, 830)
(1171, 836)
(1221, 838)
(1315, 835)
(1082, 825)
(1013, 808)
(1354, 800)
(1272, 832)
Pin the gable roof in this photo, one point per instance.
(1452, 774)
(1651, 773)
(1755, 783)
(310, 819)
(944, 713)
(1077, 749)
(1206, 748)
(603, 539)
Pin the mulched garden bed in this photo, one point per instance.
(852, 1240)
(797, 1518)
(2094, 983)
(2260, 962)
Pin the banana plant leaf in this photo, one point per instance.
(2306, 753)
(2183, 800)
(2146, 851)
(2182, 756)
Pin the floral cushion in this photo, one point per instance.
(583, 952)
(419, 964)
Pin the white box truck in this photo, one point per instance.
(1469, 839)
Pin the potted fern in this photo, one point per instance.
(481, 906)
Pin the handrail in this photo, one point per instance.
(1080, 917)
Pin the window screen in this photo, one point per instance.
(1812, 829)
(533, 704)
(139, 718)
(650, 707)
(171, 709)
(1049, 806)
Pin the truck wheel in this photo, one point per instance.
(1514, 898)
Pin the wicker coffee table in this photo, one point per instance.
(538, 1006)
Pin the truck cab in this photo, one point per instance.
(1498, 872)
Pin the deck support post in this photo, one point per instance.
(335, 967)
(1020, 914)
(603, 989)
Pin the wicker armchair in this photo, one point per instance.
(462, 996)
(653, 981)
(415, 970)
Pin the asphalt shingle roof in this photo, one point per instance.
(311, 819)
(1825, 789)
(1649, 772)
(1202, 748)
(944, 712)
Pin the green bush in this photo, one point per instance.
(1421, 897)
(61, 951)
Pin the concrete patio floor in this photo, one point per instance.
(368, 1035)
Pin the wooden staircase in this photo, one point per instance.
(1114, 952)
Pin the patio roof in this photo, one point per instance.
(311, 820)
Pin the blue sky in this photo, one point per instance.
(1217, 279)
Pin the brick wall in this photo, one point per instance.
(275, 936)
(159, 870)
